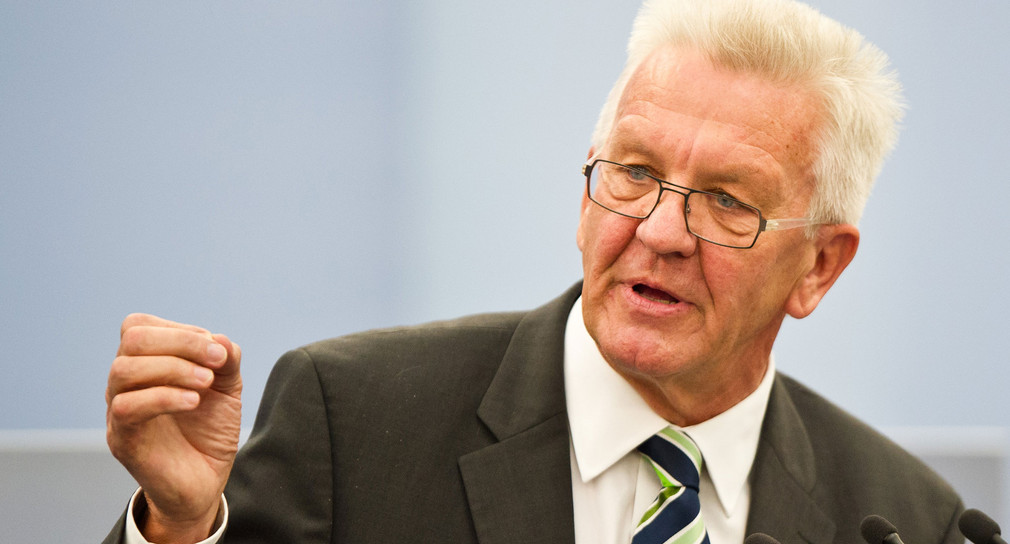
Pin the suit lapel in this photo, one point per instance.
(520, 488)
(784, 477)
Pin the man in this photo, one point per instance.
(726, 175)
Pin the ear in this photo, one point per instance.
(580, 234)
(835, 247)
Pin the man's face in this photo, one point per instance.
(661, 304)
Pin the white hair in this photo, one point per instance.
(786, 41)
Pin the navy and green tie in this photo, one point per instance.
(675, 516)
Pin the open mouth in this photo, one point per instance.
(654, 295)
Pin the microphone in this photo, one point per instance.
(877, 530)
(979, 528)
(760, 538)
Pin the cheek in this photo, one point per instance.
(603, 237)
(737, 275)
(751, 286)
(726, 278)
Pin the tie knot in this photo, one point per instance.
(675, 458)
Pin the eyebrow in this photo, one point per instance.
(727, 171)
(636, 148)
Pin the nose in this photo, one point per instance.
(665, 230)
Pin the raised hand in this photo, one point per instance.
(173, 420)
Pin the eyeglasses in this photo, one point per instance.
(715, 218)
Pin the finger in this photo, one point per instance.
(138, 319)
(234, 352)
(144, 340)
(132, 408)
(228, 377)
(132, 373)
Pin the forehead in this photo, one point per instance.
(683, 114)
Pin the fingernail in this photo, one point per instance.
(191, 398)
(202, 374)
(216, 352)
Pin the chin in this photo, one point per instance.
(639, 355)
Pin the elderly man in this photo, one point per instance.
(725, 177)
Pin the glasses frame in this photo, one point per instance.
(686, 192)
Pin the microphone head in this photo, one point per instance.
(977, 527)
(875, 529)
(760, 538)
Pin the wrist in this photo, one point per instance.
(161, 529)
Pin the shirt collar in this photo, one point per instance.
(608, 419)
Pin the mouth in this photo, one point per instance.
(655, 295)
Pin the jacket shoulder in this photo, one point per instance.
(859, 471)
(486, 331)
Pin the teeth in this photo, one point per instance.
(664, 301)
(654, 295)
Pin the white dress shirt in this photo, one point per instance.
(132, 533)
(612, 485)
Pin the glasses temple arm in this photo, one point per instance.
(783, 224)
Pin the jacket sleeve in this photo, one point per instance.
(281, 488)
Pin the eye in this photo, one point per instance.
(727, 201)
(724, 204)
(637, 173)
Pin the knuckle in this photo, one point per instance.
(119, 444)
(121, 409)
(119, 372)
(133, 320)
(133, 340)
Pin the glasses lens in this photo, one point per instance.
(716, 218)
(622, 189)
(723, 220)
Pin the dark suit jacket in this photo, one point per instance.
(457, 432)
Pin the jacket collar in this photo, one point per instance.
(784, 476)
(520, 488)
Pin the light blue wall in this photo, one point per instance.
(285, 172)
(289, 171)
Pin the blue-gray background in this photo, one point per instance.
(284, 172)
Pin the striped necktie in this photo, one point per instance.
(675, 516)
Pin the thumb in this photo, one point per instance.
(228, 378)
